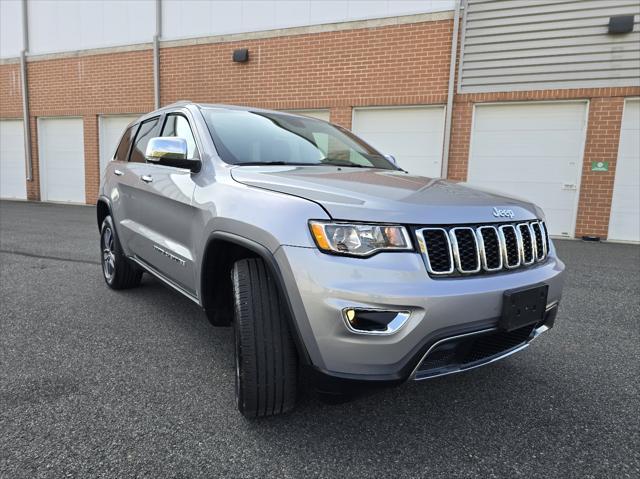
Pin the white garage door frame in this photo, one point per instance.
(105, 153)
(585, 102)
(20, 190)
(613, 192)
(354, 110)
(43, 166)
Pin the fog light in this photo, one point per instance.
(374, 321)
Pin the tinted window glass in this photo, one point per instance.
(125, 143)
(148, 129)
(247, 137)
(177, 125)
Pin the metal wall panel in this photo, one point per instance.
(71, 25)
(511, 45)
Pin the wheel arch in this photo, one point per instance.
(221, 251)
(103, 209)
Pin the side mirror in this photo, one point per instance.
(170, 151)
(392, 159)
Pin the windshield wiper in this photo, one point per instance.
(272, 163)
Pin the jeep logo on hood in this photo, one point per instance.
(502, 213)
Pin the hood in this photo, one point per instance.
(355, 194)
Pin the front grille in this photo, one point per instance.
(485, 248)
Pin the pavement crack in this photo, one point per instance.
(41, 256)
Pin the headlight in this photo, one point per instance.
(357, 239)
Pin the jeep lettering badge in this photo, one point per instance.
(502, 213)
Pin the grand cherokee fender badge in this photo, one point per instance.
(502, 213)
(181, 262)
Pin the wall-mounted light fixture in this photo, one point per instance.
(241, 55)
(621, 24)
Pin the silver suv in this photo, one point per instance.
(331, 262)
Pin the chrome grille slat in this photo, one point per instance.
(463, 258)
(509, 237)
(527, 257)
(540, 239)
(466, 250)
(482, 238)
(434, 265)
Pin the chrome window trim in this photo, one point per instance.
(425, 253)
(503, 245)
(532, 239)
(482, 251)
(456, 249)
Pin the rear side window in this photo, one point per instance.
(148, 129)
(125, 144)
(177, 125)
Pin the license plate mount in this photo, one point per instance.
(523, 306)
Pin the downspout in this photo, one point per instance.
(451, 92)
(25, 93)
(156, 55)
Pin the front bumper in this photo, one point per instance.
(321, 286)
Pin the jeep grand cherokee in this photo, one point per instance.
(328, 259)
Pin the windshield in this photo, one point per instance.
(255, 138)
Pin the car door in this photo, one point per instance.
(164, 210)
(119, 183)
(125, 174)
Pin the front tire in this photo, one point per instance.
(118, 271)
(266, 359)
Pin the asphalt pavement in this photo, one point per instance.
(97, 383)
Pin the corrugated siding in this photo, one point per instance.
(513, 45)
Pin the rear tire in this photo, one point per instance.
(266, 359)
(118, 271)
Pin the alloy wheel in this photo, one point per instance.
(108, 255)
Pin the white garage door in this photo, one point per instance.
(532, 151)
(111, 129)
(625, 205)
(61, 153)
(319, 114)
(12, 167)
(414, 135)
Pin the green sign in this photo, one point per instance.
(599, 166)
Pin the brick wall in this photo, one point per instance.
(10, 91)
(596, 188)
(399, 64)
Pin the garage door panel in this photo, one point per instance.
(543, 143)
(624, 223)
(535, 118)
(409, 144)
(531, 151)
(413, 135)
(111, 129)
(61, 153)
(532, 168)
(12, 160)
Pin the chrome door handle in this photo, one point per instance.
(147, 178)
(118, 172)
